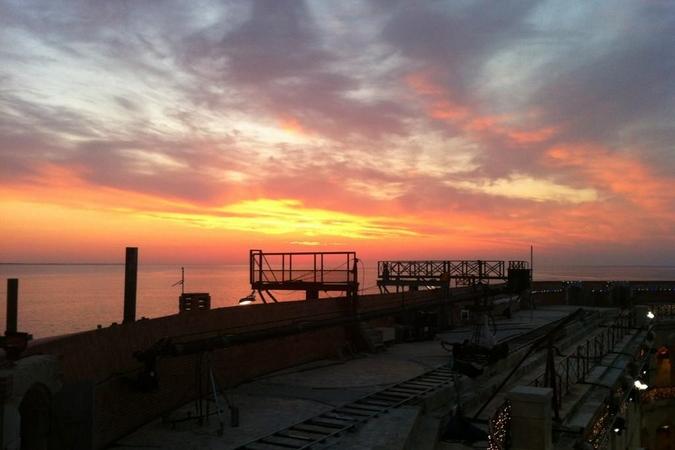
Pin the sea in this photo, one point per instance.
(57, 299)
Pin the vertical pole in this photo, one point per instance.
(567, 374)
(251, 265)
(356, 275)
(130, 283)
(531, 263)
(182, 280)
(260, 267)
(12, 305)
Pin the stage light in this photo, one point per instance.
(650, 315)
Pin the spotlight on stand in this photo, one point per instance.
(250, 298)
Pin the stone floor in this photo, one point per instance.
(278, 400)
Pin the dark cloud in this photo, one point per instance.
(456, 38)
(629, 84)
(279, 58)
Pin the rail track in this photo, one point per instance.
(524, 340)
(319, 429)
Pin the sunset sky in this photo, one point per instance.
(197, 130)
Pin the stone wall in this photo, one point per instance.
(104, 359)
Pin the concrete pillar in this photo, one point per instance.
(130, 282)
(531, 421)
(12, 305)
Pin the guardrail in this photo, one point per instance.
(574, 368)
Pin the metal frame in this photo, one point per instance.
(434, 273)
(306, 271)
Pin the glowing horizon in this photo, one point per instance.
(196, 132)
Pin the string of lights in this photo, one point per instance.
(600, 427)
(612, 416)
(500, 423)
(547, 291)
(661, 393)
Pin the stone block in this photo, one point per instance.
(531, 418)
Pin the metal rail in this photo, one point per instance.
(535, 344)
(332, 423)
(308, 271)
(441, 272)
(573, 368)
(523, 340)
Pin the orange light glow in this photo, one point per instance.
(292, 125)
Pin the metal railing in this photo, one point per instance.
(301, 267)
(451, 269)
(574, 368)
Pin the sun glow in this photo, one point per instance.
(288, 216)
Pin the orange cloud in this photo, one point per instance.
(619, 173)
(60, 213)
(441, 105)
(532, 136)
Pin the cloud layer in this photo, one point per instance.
(456, 127)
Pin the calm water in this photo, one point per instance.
(57, 299)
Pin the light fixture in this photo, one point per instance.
(619, 425)
(250, 298)
(650, 315)
(640, 385)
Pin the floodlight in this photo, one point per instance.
(250, 298)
